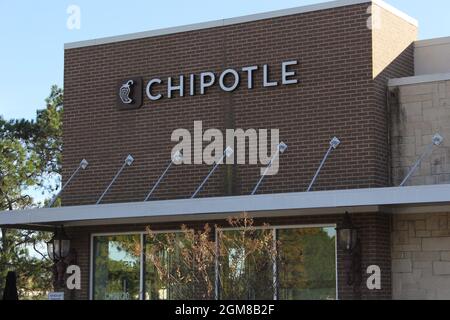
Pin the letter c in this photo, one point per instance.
(149, 89)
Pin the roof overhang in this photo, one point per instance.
(435, 198)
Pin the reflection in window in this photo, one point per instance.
(117, 267)
(168, 264)
(246, 265)
(267, 263)
(307, 264)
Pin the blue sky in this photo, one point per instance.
(33, 34)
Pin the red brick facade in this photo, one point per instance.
(337, 95)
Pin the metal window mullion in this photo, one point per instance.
(275, 266)
(142, 270)
(216, 267)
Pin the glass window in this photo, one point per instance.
(178, 267)
(307, 264)
(246, 265)
(157, 284)
(117, 267)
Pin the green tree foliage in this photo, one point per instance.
(30, 154)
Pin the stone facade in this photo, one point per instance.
(421, 256)
(422, 111)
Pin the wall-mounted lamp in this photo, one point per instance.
(347, 235)
(58, 249)
(348, 241)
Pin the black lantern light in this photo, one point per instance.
(58, 247)
(347, 235)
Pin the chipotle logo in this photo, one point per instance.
(129, 93)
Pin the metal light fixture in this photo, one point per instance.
(348, 242)
(128, 162)
(347, 235)
(177, 158)
(58, 248)
(334, 143)
(436, 140)
(282, 147)
(226, 154)
(82, 166)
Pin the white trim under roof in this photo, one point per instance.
(418, 79)
(212, 208)
(243, 19)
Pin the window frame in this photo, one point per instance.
(142, 235)
(274, 230)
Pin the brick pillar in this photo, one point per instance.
(374, 235)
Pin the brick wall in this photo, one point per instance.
(336, 95)
(421, 256)
(392, 56)
(422, 110)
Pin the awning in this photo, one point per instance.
(417, 199)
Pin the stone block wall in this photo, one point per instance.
(423, 110)
(421, 256)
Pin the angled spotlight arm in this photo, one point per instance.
(427, 152)
(319, 169)
(159, 181)
(334, 143)
(225, 154)
(265, 172)
(83, 165)
(127, 162)
(435, 141)
(280, 149)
